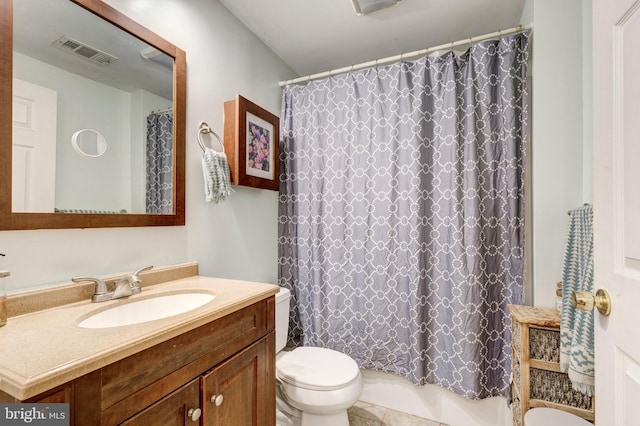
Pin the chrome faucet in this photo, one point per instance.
(102, 292)
(133, 280)
(124, 287)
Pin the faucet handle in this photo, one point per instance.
(144, 268)
(134, 279)
(101, 286)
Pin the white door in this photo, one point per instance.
(616, 120)
(34, 148)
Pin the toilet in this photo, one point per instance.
(550, 416)
(315, 386)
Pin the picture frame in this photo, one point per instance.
(251, 141)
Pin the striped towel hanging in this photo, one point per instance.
(217, 182)
(576, 326)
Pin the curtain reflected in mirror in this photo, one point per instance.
(160, 162)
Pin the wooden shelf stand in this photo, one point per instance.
(537, 379)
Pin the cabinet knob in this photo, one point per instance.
(586, 301)
(194, 414)
(217, 399)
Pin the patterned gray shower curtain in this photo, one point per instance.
(401, 216)
(159, 163)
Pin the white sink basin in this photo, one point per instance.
(144, 310)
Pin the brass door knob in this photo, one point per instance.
(586, 301)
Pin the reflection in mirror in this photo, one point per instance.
(88, 143)
(104, 79)
(99, 71)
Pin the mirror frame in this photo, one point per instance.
(20, 221)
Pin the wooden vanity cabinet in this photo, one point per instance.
(233, 356)
(232, 393)
(58, 395)
(174, 409)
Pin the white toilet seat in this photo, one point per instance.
(319, 381)
(550, 416)
(317, 369)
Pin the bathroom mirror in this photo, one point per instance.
(135, 89)
(89, 143)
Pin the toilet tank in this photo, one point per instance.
(282, 318)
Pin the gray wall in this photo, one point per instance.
(560, 149)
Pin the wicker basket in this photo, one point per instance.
(544, 344)
(516, 372)
(556, 387)
(516, 408)
(516, 336)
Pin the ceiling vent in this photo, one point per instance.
(84, 51)
(363, 7)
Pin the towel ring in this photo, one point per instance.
(204, 128)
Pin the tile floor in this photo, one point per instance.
(365, 414)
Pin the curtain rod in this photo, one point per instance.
(160, 111)
(402, 56)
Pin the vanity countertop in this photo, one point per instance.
(45, 349)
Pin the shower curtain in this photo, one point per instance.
(401, 214)
(159, 197)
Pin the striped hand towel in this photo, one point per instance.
(576, 326)
(217, 185)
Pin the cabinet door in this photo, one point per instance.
(241, 391)
(172, 410)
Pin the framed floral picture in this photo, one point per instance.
(251, 139)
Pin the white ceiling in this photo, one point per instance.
(313, 36)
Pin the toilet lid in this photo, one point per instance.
(550, 416)
(317, 368)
